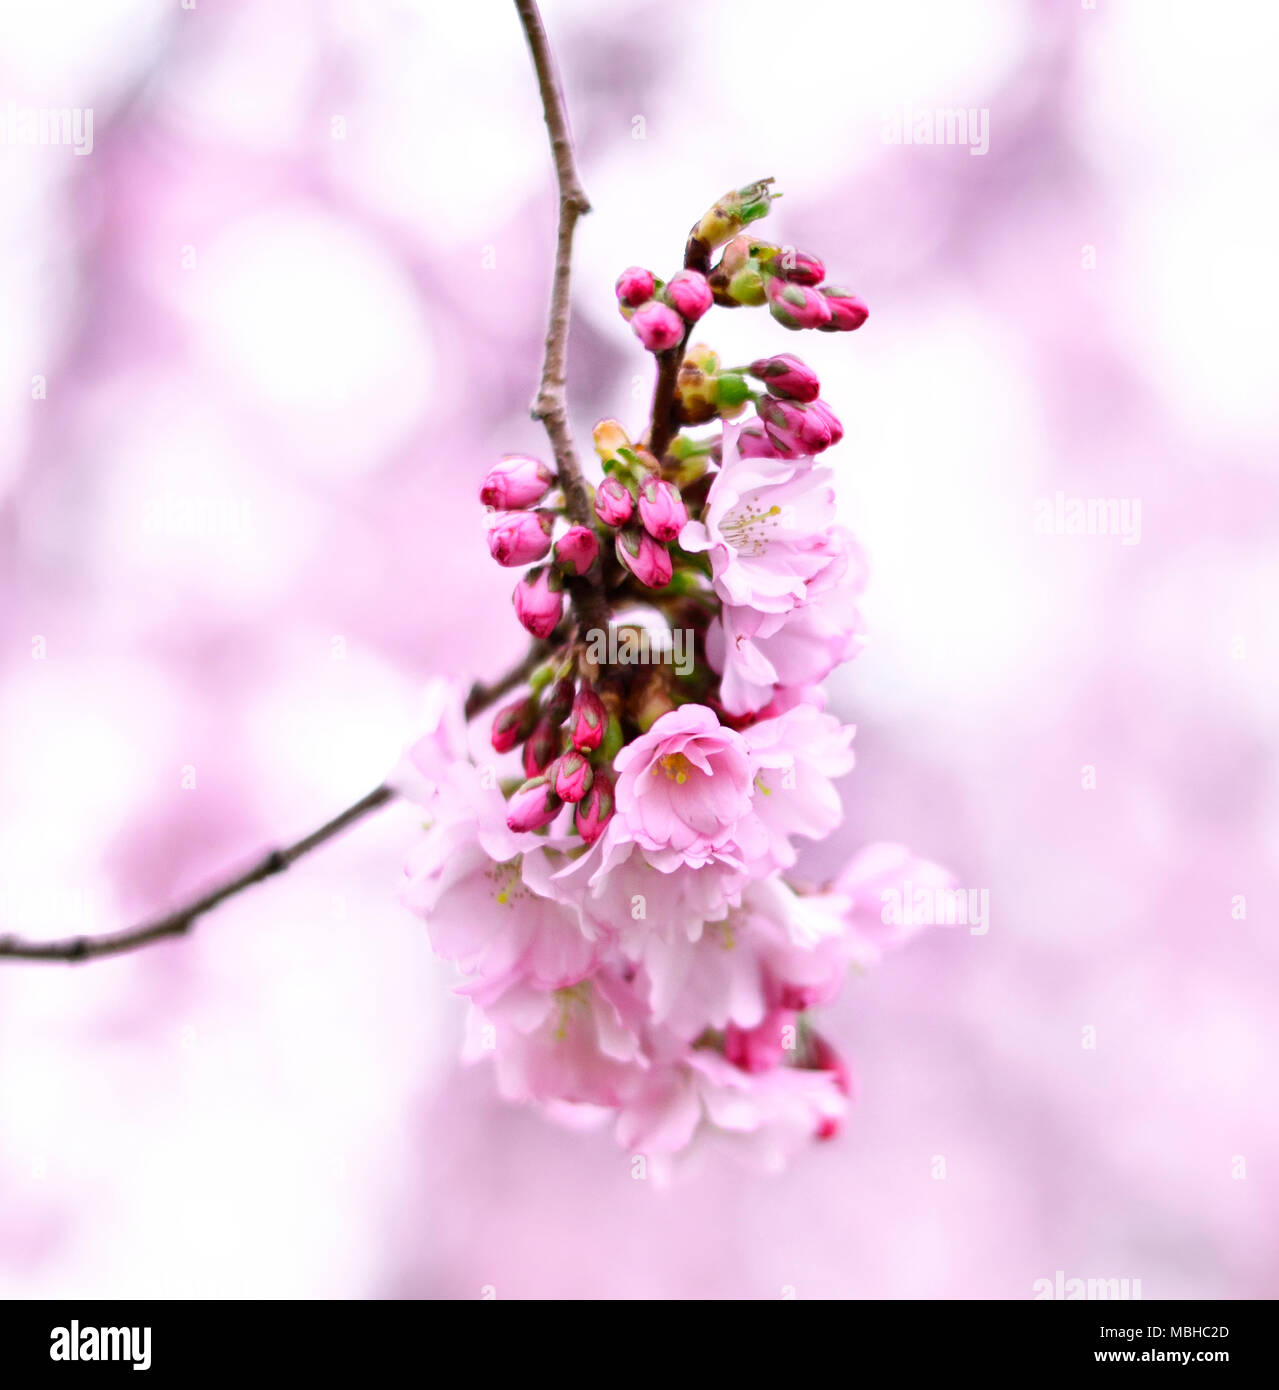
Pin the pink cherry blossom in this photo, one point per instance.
(765, 528)
(683, 787)
(758, 653)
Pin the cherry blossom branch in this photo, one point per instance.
(75, 949)
(80, 948)
(664, 425)
(551, 408)
(550, 405)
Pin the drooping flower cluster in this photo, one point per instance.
(615, 874)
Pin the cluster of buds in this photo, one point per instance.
(520, 534)
(661, 312)
(752, 272)
(569, 741)
(704, 389)
(793, 422)
(645, 510)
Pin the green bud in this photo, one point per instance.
(731, 390)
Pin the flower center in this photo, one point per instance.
(506, 880)
(675, 765)
(746, 528)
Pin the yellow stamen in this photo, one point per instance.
(676, 766)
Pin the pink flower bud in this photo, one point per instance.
(831, 420)
(847, 310)
(787, 376)
(799, 267)
(648, 560)
(595, 809)
(515, 482)
(532, 806)
(823, 1057)
(754, 443)
(792, 426)
(690, 294)
(797, 306)
(537, 605)
(560, 701)
(576, 549)
(662, 509)
(760, 1048)
(572, 776)
(658, 326)
(511, 724)
(613, 502)
(542, 746)
(586, 727)
(634, 286)
(519, 538)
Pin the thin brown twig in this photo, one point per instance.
(75, 949)
(550, 405)
(551, 408)
(664, 426)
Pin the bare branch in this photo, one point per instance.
(75, 949)
(550, 406)
(80, 948)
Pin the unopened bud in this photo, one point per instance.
(847, 310)
(689, 293)
(746, 286)
(613, 502)
(797, 306)
(788, 377)
(610, 439)
(515, 482)
(537, 605)
(829, 418)
(662, 509)
(541, 747)
(658, 326)
(760, 1048)
(559, 703)
(799, 267)
(754, 443)
(595, 809)
(571, 777)
(512, 723)
(792, 426)
(635, 286)
(532, 806)
(730, 214)
(731, 393)
(646, 558)
(694, 394)
(519, 538)
(576, 549)
(586, 727)
(823, 1057)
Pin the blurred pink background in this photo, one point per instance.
(260, 344)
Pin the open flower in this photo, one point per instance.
(757, 654)
(683, 787)
(764, 528)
